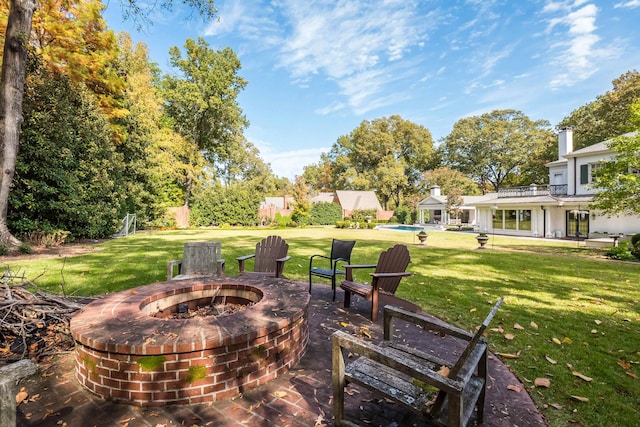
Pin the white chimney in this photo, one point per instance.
(565, 142)
(435, 190)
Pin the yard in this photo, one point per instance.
(570, 316)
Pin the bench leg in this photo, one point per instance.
(482, 373)
(337, 380)
(347, 298)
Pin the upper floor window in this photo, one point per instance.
(588, 172)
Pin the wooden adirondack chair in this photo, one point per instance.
(270, 256)
(389, 270)
(410, 376)
(340, 253)
(198, 259)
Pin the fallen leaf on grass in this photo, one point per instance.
(473, 310)
(556, 340)
(509, 336)
(567, 340)
(550, 360)
(498, 329)
(533, 324)
(631, 374)
(518, 327)
(508, 355)
(623, 364)
(542, 382)
(597, 322)
(556, 406)
(514, 388)
(594, 331)
(581, 376)
(580, 398)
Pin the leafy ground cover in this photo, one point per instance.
(569, 327)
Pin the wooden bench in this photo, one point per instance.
(413, 377)
(198, 259)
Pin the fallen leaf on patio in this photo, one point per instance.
(132, 292)
(542, 382)
(631, 374)
(533, 324)
(518, 327)
(580, 398)
(344, 324)
(509, 336)
(581, 376)
(550, 360)
(365, 332)
(21, 396)
(67, 401)
(597, 322)
(556, 340)
(280, 394)
(556, 406)
(444, 371)
(508, 355)
(514, 388)
(623, 364)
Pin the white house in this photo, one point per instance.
(433, 209)
(560, 209)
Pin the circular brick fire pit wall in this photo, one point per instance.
(124, 353)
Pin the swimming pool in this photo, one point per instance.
(400, 227)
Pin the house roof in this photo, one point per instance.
(323, 197)
(600, 147)
(441, 201)
(358, 200)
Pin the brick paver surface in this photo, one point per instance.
(301, 397)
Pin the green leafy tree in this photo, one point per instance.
(448, 180)
(202, 101)
(318, 175)
(301, 214)
(14, 60)
(454, 203)
(386, 155)
(66, 169)
(495, 147)
(608, 116)
(617, 182)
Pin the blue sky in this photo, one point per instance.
(317, 69)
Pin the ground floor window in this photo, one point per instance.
(512, 219)
(578, 223)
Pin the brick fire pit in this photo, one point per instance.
(125, 353)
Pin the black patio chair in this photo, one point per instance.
(340, 252)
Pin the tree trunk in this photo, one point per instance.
(14, 64)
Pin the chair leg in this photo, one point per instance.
(310, 275)
(333, 286)
(347, 299)
(374, 305)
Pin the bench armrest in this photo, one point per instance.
(426, 322)
(170, 266)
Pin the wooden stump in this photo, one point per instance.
(9, 375)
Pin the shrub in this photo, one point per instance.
(48, 239)
(635, 239)
(363, 214)
(4, 249)
(325, 213)
(25, 248)
(403, 214)
(622, 252)
(343, 224)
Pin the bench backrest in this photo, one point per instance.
(472, 344)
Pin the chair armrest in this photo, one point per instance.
(396, 360)
(280, 265)
(350, 267)
(241, 261)
(170, 265)
(397, 274)
(428, 323)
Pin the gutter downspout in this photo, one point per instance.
(544, 222)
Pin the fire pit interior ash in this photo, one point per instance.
(135, 346)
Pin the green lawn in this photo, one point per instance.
(576, 313)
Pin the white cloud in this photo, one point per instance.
(575, 46)
(628, 4)
(289, 164)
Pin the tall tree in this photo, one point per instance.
(449, 180)
(202, 100)
(495, 147)
(12, 88)
(386, 155)
(617, 182)
(608, 115)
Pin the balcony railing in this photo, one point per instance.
(533, 190)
